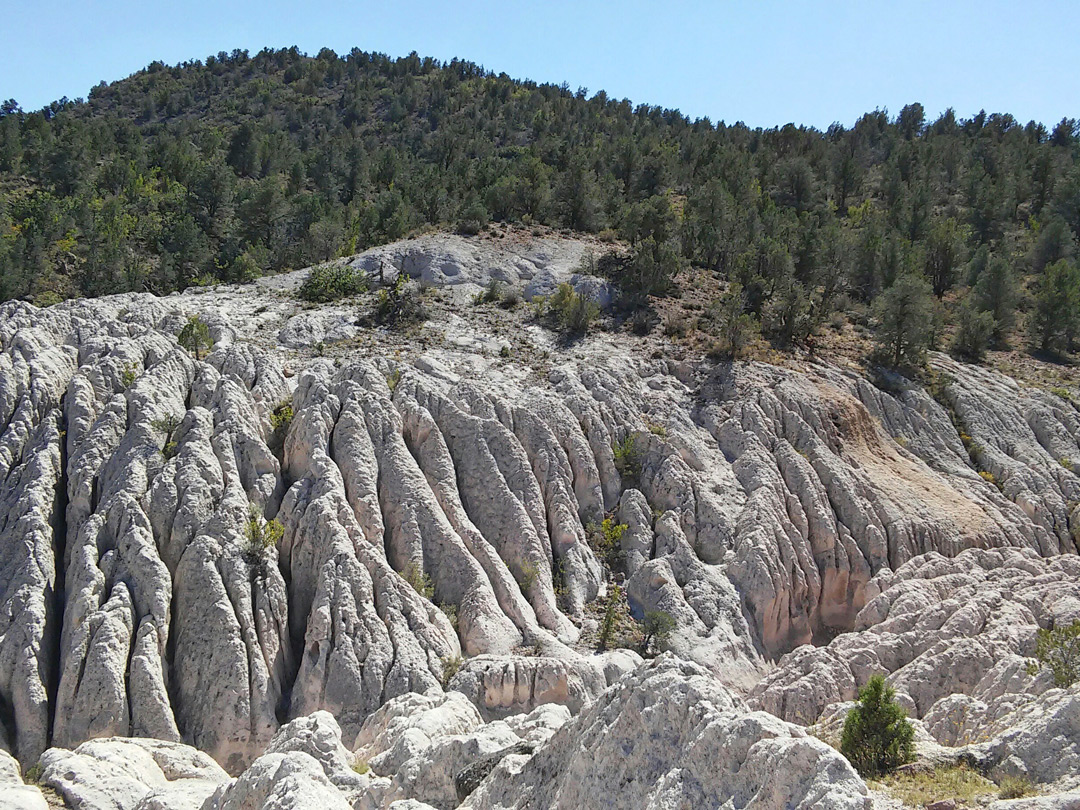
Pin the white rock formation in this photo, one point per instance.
(670, 735)
(436, 500)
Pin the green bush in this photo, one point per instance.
(420, 581)
(877, 736)
(657, 626)
(628, 460)
(610, 622)
(195, 337)
(166, 424)
(332, 282)
(1015, 787)
(572, 313)
(129, 374)
(606, 541)
(528, 576)
(261, 535)
(399, 304)
(1058, 649)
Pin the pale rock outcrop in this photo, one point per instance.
(671, 735)
(15, 795)
(951, 634)
(436, 502)
(130, 773)
(501, 686)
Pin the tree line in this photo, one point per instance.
(238, 165)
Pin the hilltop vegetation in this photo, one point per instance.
(242, 165)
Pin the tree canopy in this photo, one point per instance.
(240, 164)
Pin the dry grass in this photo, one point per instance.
(916, 788)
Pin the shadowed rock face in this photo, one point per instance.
(777, 507)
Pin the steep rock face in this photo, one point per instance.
(438, 502)
(670, 735)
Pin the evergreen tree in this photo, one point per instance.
(877, 737)
(905, 314)
(1056, 315)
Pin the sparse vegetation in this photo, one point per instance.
(610, 622)
(332, 282)
(129, 374)
(656, 627)
(399, 305)
(1015, 787)
(392, 379)
(527, 576)
(571, 312)
(628, 460)
(360, 766)
(32, 776)
(419, 580)
(195, 337)
(877, 737)
(606, 541)
(920, 787)
(261, 535)
(280, 420)
(166, 424)
(1058, 649)
(451, 666)
(170, 449)
(451, 613)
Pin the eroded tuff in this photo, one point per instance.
(771, 509)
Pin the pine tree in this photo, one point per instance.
(877, 736)
(905, 314)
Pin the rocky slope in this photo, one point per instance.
(435, 490)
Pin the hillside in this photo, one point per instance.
(326, 562)
(243, 165)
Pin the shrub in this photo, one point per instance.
(195, 337)
(166, 424)
(973, 332)
(657, 626)
(511, 298)
(1058, 649)
(47, 299)
(877, 736)
(399, 304)
(491, 294)
(451, 665)
(573, 313)
(33, 774)
(170, 450)
(451, 614)
(129, 374)
(280, 420)
(474, 219)
(628, 460)
(392, 379)
(361, 766)
(1015, 787)
(611, 617)
(656, 429)
(261, 535)
(332, 282)
(420, 582)
(528, 576)
(606, 540)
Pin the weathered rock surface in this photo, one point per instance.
(436, 500)
(670, 735)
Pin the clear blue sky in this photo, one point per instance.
(765, 63)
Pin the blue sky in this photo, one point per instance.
(766, 63)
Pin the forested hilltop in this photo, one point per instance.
(242, 165)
